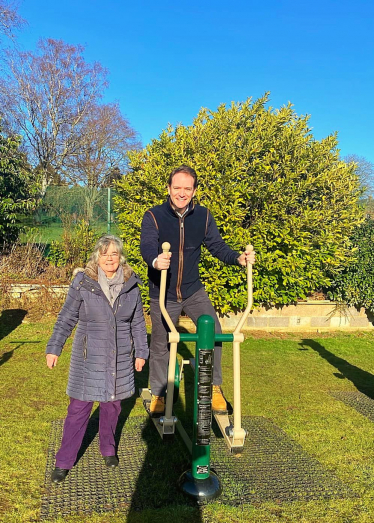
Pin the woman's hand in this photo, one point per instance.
(51, 360)
(139, 364)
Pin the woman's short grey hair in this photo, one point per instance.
(102, 246)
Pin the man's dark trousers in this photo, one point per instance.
(194, 306)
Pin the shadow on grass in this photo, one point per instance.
(361, 379)
(10, 319)
(157, 482)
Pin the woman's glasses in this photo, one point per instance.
(113, 255)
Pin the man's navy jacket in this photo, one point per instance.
(186, 236)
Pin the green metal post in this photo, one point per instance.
(109, 211)
(202, 415)
(200, 483)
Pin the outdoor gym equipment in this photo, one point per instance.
(200, 482)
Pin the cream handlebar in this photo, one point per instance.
(250, 294)
(165, 248)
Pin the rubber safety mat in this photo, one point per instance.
(357, 400)
(271, 467)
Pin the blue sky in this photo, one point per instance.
(168, 59)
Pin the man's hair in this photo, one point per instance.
(184, 169)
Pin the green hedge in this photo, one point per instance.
(19, 188)
(355, 285)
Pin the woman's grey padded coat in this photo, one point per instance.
(102, 361)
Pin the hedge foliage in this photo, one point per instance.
(75, 246)
(18, 188)
(355, 285)
(267, 182)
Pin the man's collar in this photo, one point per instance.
(189, 208)
(181, 214)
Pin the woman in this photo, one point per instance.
(104, 300)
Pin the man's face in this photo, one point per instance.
(181, 191)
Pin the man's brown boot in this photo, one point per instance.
(157, 406)
(218, 401)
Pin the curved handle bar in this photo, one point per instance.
(250, 294)
(165, 248)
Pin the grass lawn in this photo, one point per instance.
(53, 231)
(285, 378)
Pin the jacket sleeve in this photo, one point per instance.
(216, 246)
(138, 331)
(66, 320)
(149, 239)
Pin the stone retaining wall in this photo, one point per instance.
(17, 290)
(314, 316)
(311, 315)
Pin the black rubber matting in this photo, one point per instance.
(357, 400)
(271, 467)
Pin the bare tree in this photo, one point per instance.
(101, 154)
(10, 20)
(105, 139)
(365, 171)
(46, 96)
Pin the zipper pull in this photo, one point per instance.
(181, 225)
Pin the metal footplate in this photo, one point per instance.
(166, 430)
(234, 438)
(164, 426)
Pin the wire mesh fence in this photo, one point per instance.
(64, 207)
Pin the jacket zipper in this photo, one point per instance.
(117, 305)
(85, 347)
(180, 266)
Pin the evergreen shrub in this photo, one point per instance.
(355, 284)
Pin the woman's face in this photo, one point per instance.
(109, 261)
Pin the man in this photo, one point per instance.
(186, 227)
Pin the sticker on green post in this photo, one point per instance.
(204, 397)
